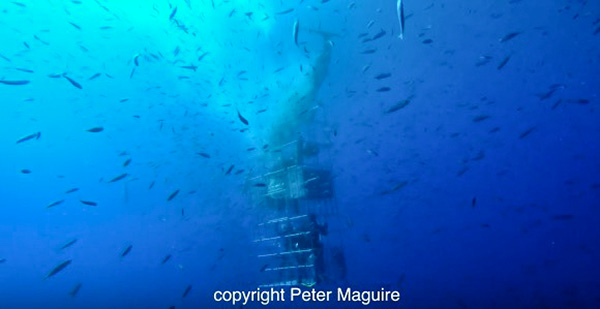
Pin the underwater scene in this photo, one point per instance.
(299, 154)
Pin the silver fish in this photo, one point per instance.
(400, 13)
(295, 33)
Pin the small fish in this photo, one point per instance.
(166, 258)
(126, 251)
(242, 119)
(75, 25)
(55, 203)
(204, 154)
(479, 156)
(118, 177)
(2, 261)
(189, 67)
(42, 41)
(25, 171)
(75, 290)
(509, 37)
(480, 118)
(427, 41)
(173, 195)
(230, 169)
(285, 12)
(400, 13)
(526, 132)
(28, 137)
(94, 76)
(264, 267)
(260, 185)
(58, 268)
(383, 89)
(70, 243)
(368, 51)
(72, 190)
(14, 82)
(556, 104)
(136, 60)
(383, 75)
(202, 56)
(187, 291)
(173, 13)
(373, 152)
(95, 129)
(25, 70)
(547, 95)
(503, 63)
(295, 31)
(126, 162)
(73, 82)
(89, 203)
(395, 188)
(151, 185)
(378, 35)
(474, 202)
(580, 101)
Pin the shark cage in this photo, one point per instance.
(297, 235)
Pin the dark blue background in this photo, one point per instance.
(405, 181)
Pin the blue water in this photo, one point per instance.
(465, 156)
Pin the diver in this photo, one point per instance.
(312, 240)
